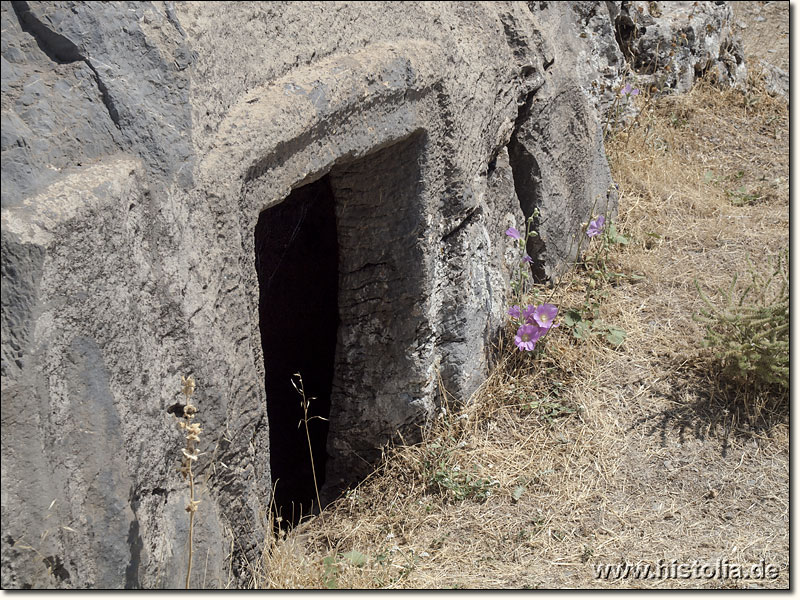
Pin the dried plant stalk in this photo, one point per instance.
(190, 454)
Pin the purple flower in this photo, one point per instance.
(514, 311)
(596, 226)
(526, 337)
(527, 314)
(628, 90)
(527, 259)
(513, 233)
(544, 315)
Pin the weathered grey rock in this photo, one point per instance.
(87, 83)
(670, 44)
(583, 36)
(659, 46)
(776, 80)
(556, 151)
(560, 168)
(145, 150)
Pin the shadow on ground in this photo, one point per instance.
(705, 406)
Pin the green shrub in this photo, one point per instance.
(749, 335)
(444, 476)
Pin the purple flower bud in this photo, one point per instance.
(512, 232)
(596, 226)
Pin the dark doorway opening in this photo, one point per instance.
(297, 264)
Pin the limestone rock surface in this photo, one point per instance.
(669, 44)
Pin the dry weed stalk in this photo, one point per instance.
(192, 433)
(306, 403)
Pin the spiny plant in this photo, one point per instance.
(190, 455)
(748, 333)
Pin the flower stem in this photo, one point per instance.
(310, 452)
(191, 524)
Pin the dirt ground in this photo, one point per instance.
(764, 29)
(599, 455)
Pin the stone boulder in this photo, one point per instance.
(669, 44)
(242, 192)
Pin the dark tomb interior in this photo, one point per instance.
(297, 264)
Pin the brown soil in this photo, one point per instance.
(764, 29)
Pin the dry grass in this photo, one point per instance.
(592, 454)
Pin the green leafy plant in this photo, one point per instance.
(336, 563)
(607, 236)
(549, 409)
(461, 485)
(518, 492)
(532, 322)
(586, 324)
(742, 196)
(355, 558)
(622, 100)
(587, 553)
(738, 196)
(748, 333)
(445, 476)
(710, 178)
(330, 574)
(521, 277)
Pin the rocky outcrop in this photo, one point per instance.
(669, 44)
(175, 180)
